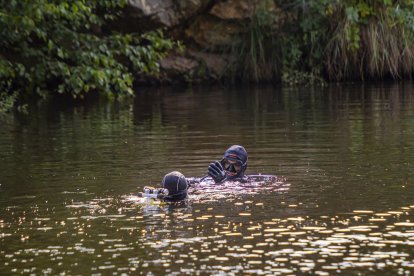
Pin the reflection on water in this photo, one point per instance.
(194, 238)
(70, 176)
(257, 185)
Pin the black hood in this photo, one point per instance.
(176, 184)
(237, 153)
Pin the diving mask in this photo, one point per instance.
(232, 167)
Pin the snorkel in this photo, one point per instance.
(173, 188)
(234, 162)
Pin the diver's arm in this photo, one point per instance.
(194, 181)
(215, 172)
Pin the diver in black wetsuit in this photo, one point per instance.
(231, 167)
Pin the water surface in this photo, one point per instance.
(345, 154)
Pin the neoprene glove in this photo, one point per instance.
(216, 171)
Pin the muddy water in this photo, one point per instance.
(343, 201)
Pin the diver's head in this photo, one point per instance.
(176, 184)
(235, 162)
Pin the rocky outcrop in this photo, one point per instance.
(215, 64)
(234, 9)
(207, 28)
(159, 12)
(208, 32)
(177, 68)
(193, 66)
(143, 15)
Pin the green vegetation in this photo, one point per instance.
(327, 40)
(69, 47)
(66, 47)
(372, 39)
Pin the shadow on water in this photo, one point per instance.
(70, 175)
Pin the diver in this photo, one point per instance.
(231, 167)
(173, 188)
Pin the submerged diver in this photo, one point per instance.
(173, 188)
(231, 167)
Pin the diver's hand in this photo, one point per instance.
(216, 171)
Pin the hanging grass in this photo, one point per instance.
(332, 40)
(256, 53)
(375, 47)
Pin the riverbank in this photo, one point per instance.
(111, 46)
(279, 41)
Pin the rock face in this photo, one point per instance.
(160, 12)
(178, 68)
(164, 13)
(205, 26)
(235, 9)
(209, 32)
(215, 64)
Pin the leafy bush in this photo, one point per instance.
(66, 47)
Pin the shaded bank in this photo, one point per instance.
(293, 41)
(76, 47)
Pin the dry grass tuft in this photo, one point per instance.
(384, 50)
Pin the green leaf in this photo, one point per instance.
(352, 14)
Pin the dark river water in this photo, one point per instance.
(343, 202)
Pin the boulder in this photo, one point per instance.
(159, 12)
(145, 15)
(215, 64)
(176, 67)
(208, 31)
(190, 8)
(235, 9)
